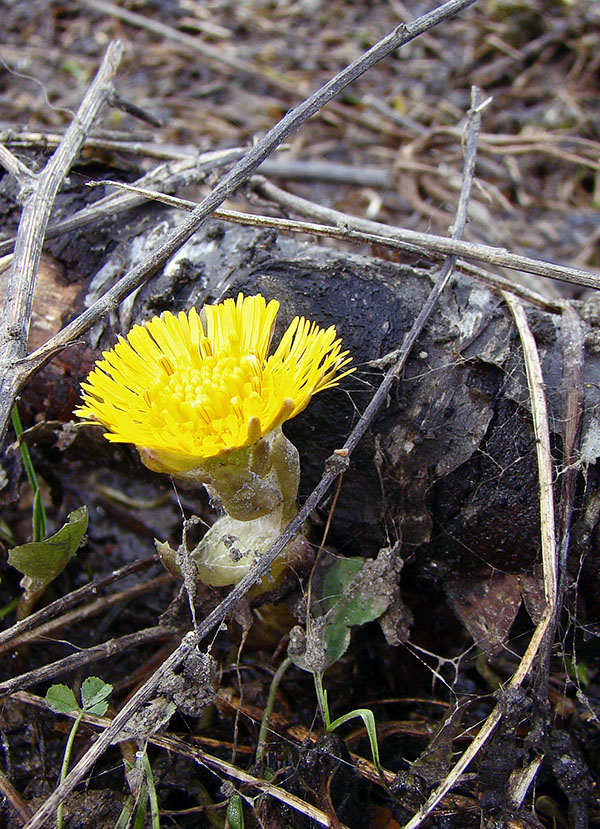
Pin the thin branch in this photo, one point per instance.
(16, 315)
(573, 362)
(426, 242)
(541, 428)
(175, 745)
(180, 173)
(13, 799)
(13, 379)
(335, 464)
(341, 231)
(71, 599)
(131, 146)
(410, 240)
(328, 172)
(101, 605)
(17, 169)
(86, 657)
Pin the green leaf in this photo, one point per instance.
(578, 672)
(123, 821)
(61, 699)
(94, 692)
(337, 639)
(364, 713)
(100, 709)
(346, 592)
(347, 598)
(369, 720)
(39, 521)
(42, 561)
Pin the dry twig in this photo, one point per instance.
(344, 230)
(101, 605)
(428, 242)
(87, 657)
(43, 616)
(178, 746)
(38, 201)
(18, 372)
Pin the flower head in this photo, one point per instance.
(184, 392)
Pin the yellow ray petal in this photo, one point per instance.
(194, 392)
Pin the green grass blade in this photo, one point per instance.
(40, 522)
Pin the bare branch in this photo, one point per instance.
(16, 315)
(169, 178)
(427, 242)
(535, 382)
(17, 169)
(77, 616)
(87, 657)
(12, 382)
(71, 599)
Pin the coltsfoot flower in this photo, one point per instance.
(185, 392)
(205, 402)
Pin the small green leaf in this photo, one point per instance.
(61, 699)
(345, 597)
(40, 526)
(94, 691)
(42, 561)
(337, 639)
(100, 709)
(347, 592)
(39, 521)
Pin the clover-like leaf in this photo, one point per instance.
(61, 699)
(94, 692)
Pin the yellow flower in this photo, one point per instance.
(184, 392)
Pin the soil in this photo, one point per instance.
(439, 507)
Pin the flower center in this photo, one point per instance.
(220, 386)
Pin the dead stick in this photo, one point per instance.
(13, 799)
(427, 242)
(343, 231)
(573, 361)
(77, 616)
(176, 745)
(87, 657)
(535, 382)
(65, 602)
(180, 174)
(38, 202)
(230, 182)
